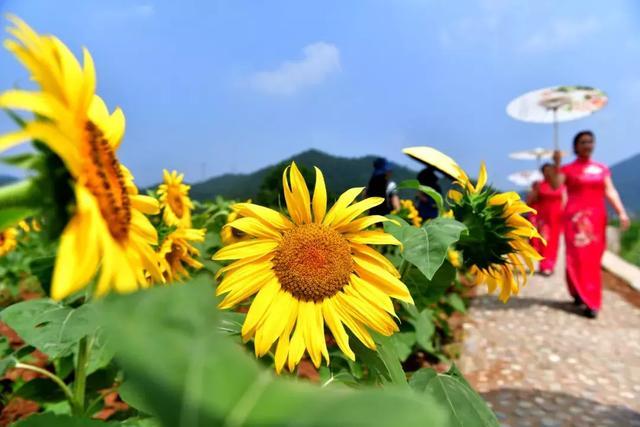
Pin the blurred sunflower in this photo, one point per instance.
(409, 212)
(496, 249)
(174, 200)
(8, 240)
(108, 229)
(309, 269)
(177, 251)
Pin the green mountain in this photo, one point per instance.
(7, 179)
(340, 173)
(626, 177)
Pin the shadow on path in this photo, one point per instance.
(516, 407)
(490, 303)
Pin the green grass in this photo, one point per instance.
(630, 244)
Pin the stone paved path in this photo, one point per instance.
(540, 363)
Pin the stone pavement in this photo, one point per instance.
(538, 362)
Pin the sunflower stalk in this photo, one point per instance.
(80, 382)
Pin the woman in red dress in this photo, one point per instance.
(548, 201)
(588, 183)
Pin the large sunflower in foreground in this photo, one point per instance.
(8, 240)
(310, 269)
(108, 229)
(174, 200)
(496, 249)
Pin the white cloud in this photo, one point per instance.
(319, 61)
(560, 34)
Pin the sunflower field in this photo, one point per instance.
(123, 307)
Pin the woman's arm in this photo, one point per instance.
(614, 198)
(557, 177)
(532, 197)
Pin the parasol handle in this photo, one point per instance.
(556, 143)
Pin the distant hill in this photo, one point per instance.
(6, 179)
(340, 173)
(626, 176)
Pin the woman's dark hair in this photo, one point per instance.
(580, 135)
(544, 166)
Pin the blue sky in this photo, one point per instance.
(230, 86)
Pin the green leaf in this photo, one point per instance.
(49, 326)
(465, 407)
(425, 329)
(231, 322)
(23, 161)
(11, 216)
(426, 247)
(41, 390)
(42, 268)
(415, 184)
(426, 292)
(456, 302)
(404, 342)
(168, 342)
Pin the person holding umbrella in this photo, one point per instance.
(548, 201)
(588, 184)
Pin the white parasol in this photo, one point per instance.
(525, 178)
(557, 104)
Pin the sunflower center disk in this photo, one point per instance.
(175, 201)
(313, 262)
(106, 183)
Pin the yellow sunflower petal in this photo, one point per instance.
(246, 249)
(319, 197)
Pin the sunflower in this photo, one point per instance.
(108, 229)
(496, 249)
(174, 200)
(309, 269)
(8, 240)
(230, 235)
(408, 211)
(176, 251)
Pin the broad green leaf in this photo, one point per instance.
(190, 374)
(426, 292)
(466, 407)
(415, 184)
(426, 247)
(41, 390)
(49, 326)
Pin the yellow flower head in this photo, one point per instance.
(174, 200)
(108, 229)
(8, 240)
(496, 249)
(310, 269)
(177, 251)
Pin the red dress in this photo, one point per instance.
(549, 222)
(585, 221)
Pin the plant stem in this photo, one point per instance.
(81, 376)
(22, 194)
(404, 268)
(56, 379)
